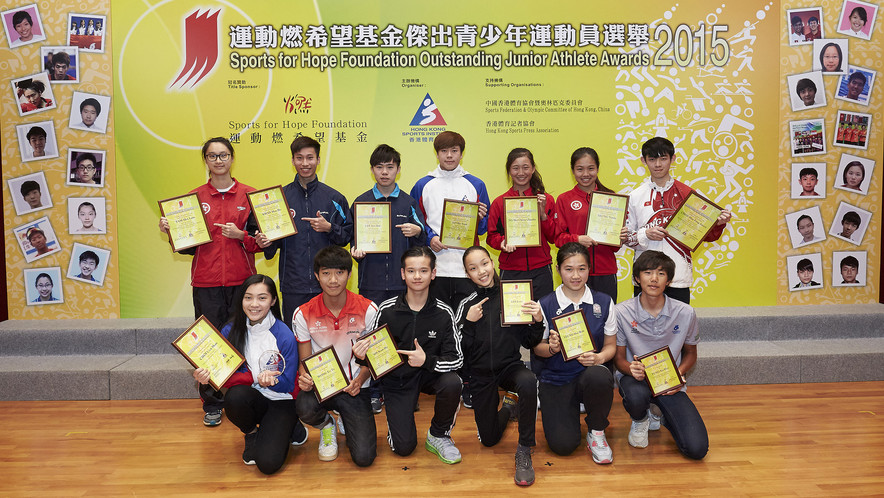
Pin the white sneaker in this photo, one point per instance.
(656, 418)
(598, 446)
(638, 433)
(341, 430)
(328, 442)
(444, 448)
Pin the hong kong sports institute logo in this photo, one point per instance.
(200, 48)
(428, 114)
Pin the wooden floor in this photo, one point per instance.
(796, 439)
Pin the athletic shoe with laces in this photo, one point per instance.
(299, 434)
(524, 468)
(638, 433)
(443, 447)
(655, 416)
(377, 404)
(212, 418)
(598, 446)
(328, 442)
(247, 457)
(510, 402)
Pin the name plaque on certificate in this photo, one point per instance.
(204, 347)
(272, 213)
(605, 217)
(187, 222)
(660, 371)
(381, 355)
(693, 220)
(574, 334)
(460, 224)
(372, 224)
(327, 373)
(513, 294)
(521, 217)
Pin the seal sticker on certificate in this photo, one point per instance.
(513, 294)
(574, 334)
(381, 355)
(660, 371)
(204, 347)
(372, 225)
(606, 216)
(460, 224)
(187, 222)
(693, 220)
(272, 213)
(521, 217)
(327, 373)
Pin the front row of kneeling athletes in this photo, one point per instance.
(434, 340)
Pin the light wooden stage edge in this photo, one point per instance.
(784, 439)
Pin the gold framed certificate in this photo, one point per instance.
(204, 347)
(327, 373)
(693, 220)
(187, 222)
(521, 219)
(381, 355)
(660, 371)
(272, 212)
(574, 334)
(514, 293)
(460, 224)
(373, 226)
(606, 216)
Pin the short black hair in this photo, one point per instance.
(383, 153)
(332, 257)
(802, 217)
(417, 252)
(803, 84)
(808, 171)
(804, 264)
(93, 102)
(651, 260)
(35, 131)
(61, 58)
(20, 16)
(658, 147)
(89, 255)
(857, 75)
(851, 217)
(849, 261)
(303, 142)
(796, 20)
(28, 187)
(86, 156)
(861, 12)
(812, 19)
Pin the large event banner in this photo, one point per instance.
(352, 75)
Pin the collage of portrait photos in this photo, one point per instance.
(830, 45)
(39, 108)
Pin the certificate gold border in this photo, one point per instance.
(475, 222)
(340, 371)
(506, 223)
(671, 367)
(205, 226)
(678, 214)
(389, 208)
(287, 231)
(578, 312)
(503, 284)
(598, 237)
(389, 337)
(218, 338)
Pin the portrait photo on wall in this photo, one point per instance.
(856, 85)
(805, 271)
(86, 215)
(852, 129)
(23, 25)
(857, 19)
(88, 264)
(29, 193)
(33, 94)
(87, 31)
(854, 174)
(36, 141)
(43, 286)
(806, 227)
(37, 239)
(849, 269)
(61, 63)
(808, 181)
(830, 55)
(808, 137)
(86, 168)
(804, 25)
(806, 90)
(89, 112)
(850, 223)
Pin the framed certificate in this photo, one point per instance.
(187, 222)
(514, 293)
(521, 217)
(327, 372)
(272, 212)
(660, 371)
(381, 355)
(574, 334)
(693, 220)
(204, 347)
(373, 226)
(605, 217)
(460, 224)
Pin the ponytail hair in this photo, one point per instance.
(536, 181)
(582, 152)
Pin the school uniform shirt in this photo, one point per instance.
(314, 323)
(572, 209)
(675, 326)
(269, 334)
(523, 258)
(430, 193)
(649, 206)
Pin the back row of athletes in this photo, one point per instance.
(314, 270)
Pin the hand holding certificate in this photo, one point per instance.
(522, 221)
(606, 216)
(372, 226)
(460, 224)
(272, 213)
(204, 347)
(187, 222)
(661, 373)
(574, 334)
(513, 295)
(381, 354)
(693, 220)
(327, 373)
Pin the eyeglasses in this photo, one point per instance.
(214, 157)
(44, 286)
(85, 168)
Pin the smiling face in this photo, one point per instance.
(89, 114)
(521, 170)
(854, 88)
(653, 282)
(24, 30)
(333, 281)
(574, 272)
(814, 26)
(417, 273)
(856, 22)
(805, 228)
(256, 302)
(385, 173)
(798, 27)
(86, 215)
(87, 266)
(305, 162)
(449, 158)
(86, 171)
(831, 59)
(658, 168)
(44, 287)
(38, 143)
(853, 177)
(218, 159)
(586, 172)
(480, 268)
(807, 95)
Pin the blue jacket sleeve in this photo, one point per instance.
(288, 347)
(417, 218)
(416, 193)
(341, 222)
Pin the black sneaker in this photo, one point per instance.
(465, 396)
(247, 457)
(377, 404)
(299, 434)
(212, 418)
(524, 467)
